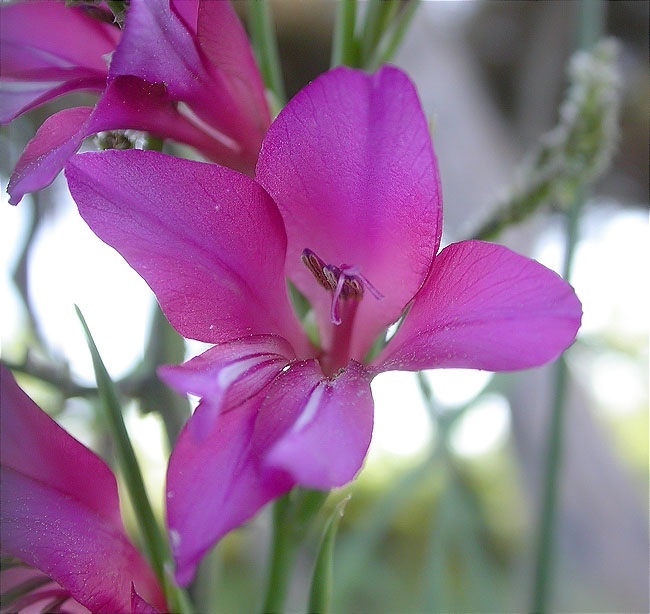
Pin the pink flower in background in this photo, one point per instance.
(181, 69)
(60, 517)
(49, 50)
(347, 205)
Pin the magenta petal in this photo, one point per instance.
(209, 241)
(128, 102)
(350, 163)
(38, 599)
(317, 430)
(139, 605)
(485, 307)
(215, 486)
(17, 98)
(60, 510)
(57, 139)
(159, 46)
(188, 11)
(53, 35)
(61, 48)
(227, 375)
(232, 64)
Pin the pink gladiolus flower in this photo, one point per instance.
(347, 205)
(60, 517)
(181, 69)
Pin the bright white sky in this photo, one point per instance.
(70, 265)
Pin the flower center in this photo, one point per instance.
(344, 282)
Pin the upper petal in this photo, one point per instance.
(53, 35)
(18, 97)
(230, 58)
(209, 241)
(316, 429)
(485, 307)
(188, 11)
(350, 164)
(158, 46)
(215, 485)
(60, 510)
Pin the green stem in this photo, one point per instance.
(372, 28)
(292, 517)
(544, 556)
(344, 44)
(284, 549)
(320, 595)
(265, 44)
(386, 51)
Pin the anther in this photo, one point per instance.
(345, 282)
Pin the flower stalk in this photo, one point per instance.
(591, 18)
(321, 585)
(577, 151)
(292, 518)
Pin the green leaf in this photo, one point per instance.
(265, 46)
(345, 48)
(156, 545)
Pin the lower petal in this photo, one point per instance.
(315, 429)
(485, 307)
(227, 375)
(45, 155)
(19, 96)
(215, 486)
(25, 589)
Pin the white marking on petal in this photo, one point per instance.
(174, 538)
(193, 118)
(309, 413)
(231, 373)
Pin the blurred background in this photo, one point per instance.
(444, 515)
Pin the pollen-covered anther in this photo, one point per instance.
(345, 282)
